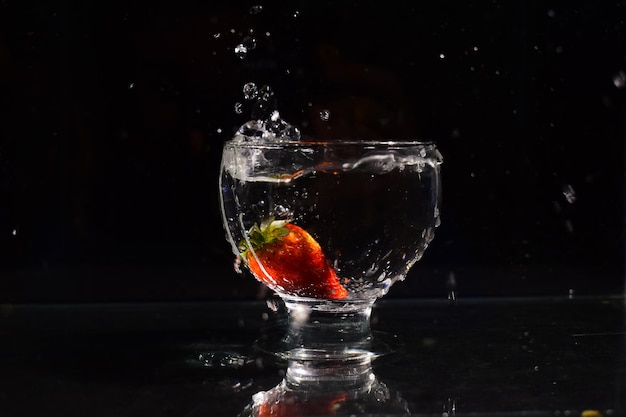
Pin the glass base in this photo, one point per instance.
(319, 332)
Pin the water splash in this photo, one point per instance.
(266, 123)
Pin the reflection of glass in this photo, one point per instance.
(352, 390)
(329, 226)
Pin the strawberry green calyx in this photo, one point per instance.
(269, 232)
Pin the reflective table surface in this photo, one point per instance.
(492, 357)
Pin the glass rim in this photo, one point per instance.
(331, 142)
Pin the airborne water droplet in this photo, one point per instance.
(250, 91)
(325, 115)
(256, 9)
(241, 51)
(238, 108)
(249, 42)
(619, 79)
(266, 93)
(569, 194)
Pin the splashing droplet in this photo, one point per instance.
(569, 194)
(296, 14)
(250, 91)
(265, 93)
(14, 232)
(238, 108)
(217, 35)
(256, 9)
(442, 56)
(325, 115)
(131, 86)
(619, 79)
(241, 51)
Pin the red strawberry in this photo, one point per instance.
(286, 257)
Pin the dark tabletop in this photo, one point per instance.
(491, 356)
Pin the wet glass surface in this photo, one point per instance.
(500, 356)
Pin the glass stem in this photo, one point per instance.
(328, 329)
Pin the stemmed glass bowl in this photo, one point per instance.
(329, 226)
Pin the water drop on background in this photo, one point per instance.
(325, 115)
(619, 79)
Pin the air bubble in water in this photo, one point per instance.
(241, 51)
(619, 79)
(250, 91)
(256, 9)
(238, 108)
(282, 212)
(325, 115)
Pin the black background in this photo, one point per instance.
(112, 117)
